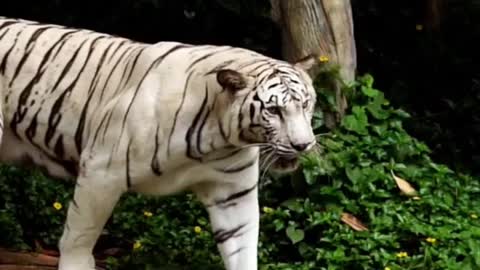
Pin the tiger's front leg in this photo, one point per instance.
(234, 216)
(94, 199)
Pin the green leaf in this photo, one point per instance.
(354, 174)
(369, 92)
(293, 205)
(295, 235)
(357, 122)
(367, 80)
(310, 176)
(360, 114)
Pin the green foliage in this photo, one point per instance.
(431, 71)
(301, 226)
(26, 207)
(352, 174)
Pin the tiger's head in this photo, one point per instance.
(272, 108)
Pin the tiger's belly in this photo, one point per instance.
(192, 173)
(18, 152)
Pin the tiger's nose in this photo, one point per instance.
(301, 146)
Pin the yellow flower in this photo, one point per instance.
(473, 216)
(431, 240)
(387, 268)
(323, 58)
(147, 213)
(402, 254)
(419, 27)
(57, 205)
(267, 210)
(137, 245)
(197, 229)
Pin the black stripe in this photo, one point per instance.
(31, 131)
(55, 116)
(200, 129)
(7, 23)
(261, 65)
(134, 65)
(107, 124)
(178, 112)
(252, 112)
(128, 176)
(206, 56)
(67, 227)
(152, 66)
(74, 202)
(28, 50)
(3, 63)
(222, 236)
(257, 98)
(129, 66)
(64, 41)
(220, 67)
(99, 67)
(120, 58)
(68, 65)
(95, 136)
(81, 124)
(154, 164)
(4, 34)
(116, 50)
(70, 166)
(236, 195)
(25, 93)
(240, 112)
(54, 119)
(222, 131)
(238, 250)
(254, 61)
(191, 129)
(59, 149)
(240, 168)
(262, 75)
(126, 57)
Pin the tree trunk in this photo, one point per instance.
(434, 14)
(322, 27)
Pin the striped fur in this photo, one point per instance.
(119, 115)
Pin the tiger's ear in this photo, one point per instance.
(308, 63)
(232, 80)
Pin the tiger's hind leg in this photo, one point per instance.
(96, 194)
(1, 125)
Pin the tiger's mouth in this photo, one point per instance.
(285, 164)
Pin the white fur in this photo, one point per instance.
(134, 121)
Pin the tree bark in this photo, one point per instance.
(434, 14)
(324, 28)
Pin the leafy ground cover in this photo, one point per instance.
(369, 197)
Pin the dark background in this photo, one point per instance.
(423, 54)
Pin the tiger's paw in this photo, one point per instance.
(76, 263)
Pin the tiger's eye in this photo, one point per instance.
(305, 104)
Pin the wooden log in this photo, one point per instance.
(24, 258)
(322, 27)
(26, 267)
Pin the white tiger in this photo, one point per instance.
(120, 115)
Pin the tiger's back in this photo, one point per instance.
(52, 81)
(60, 87)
